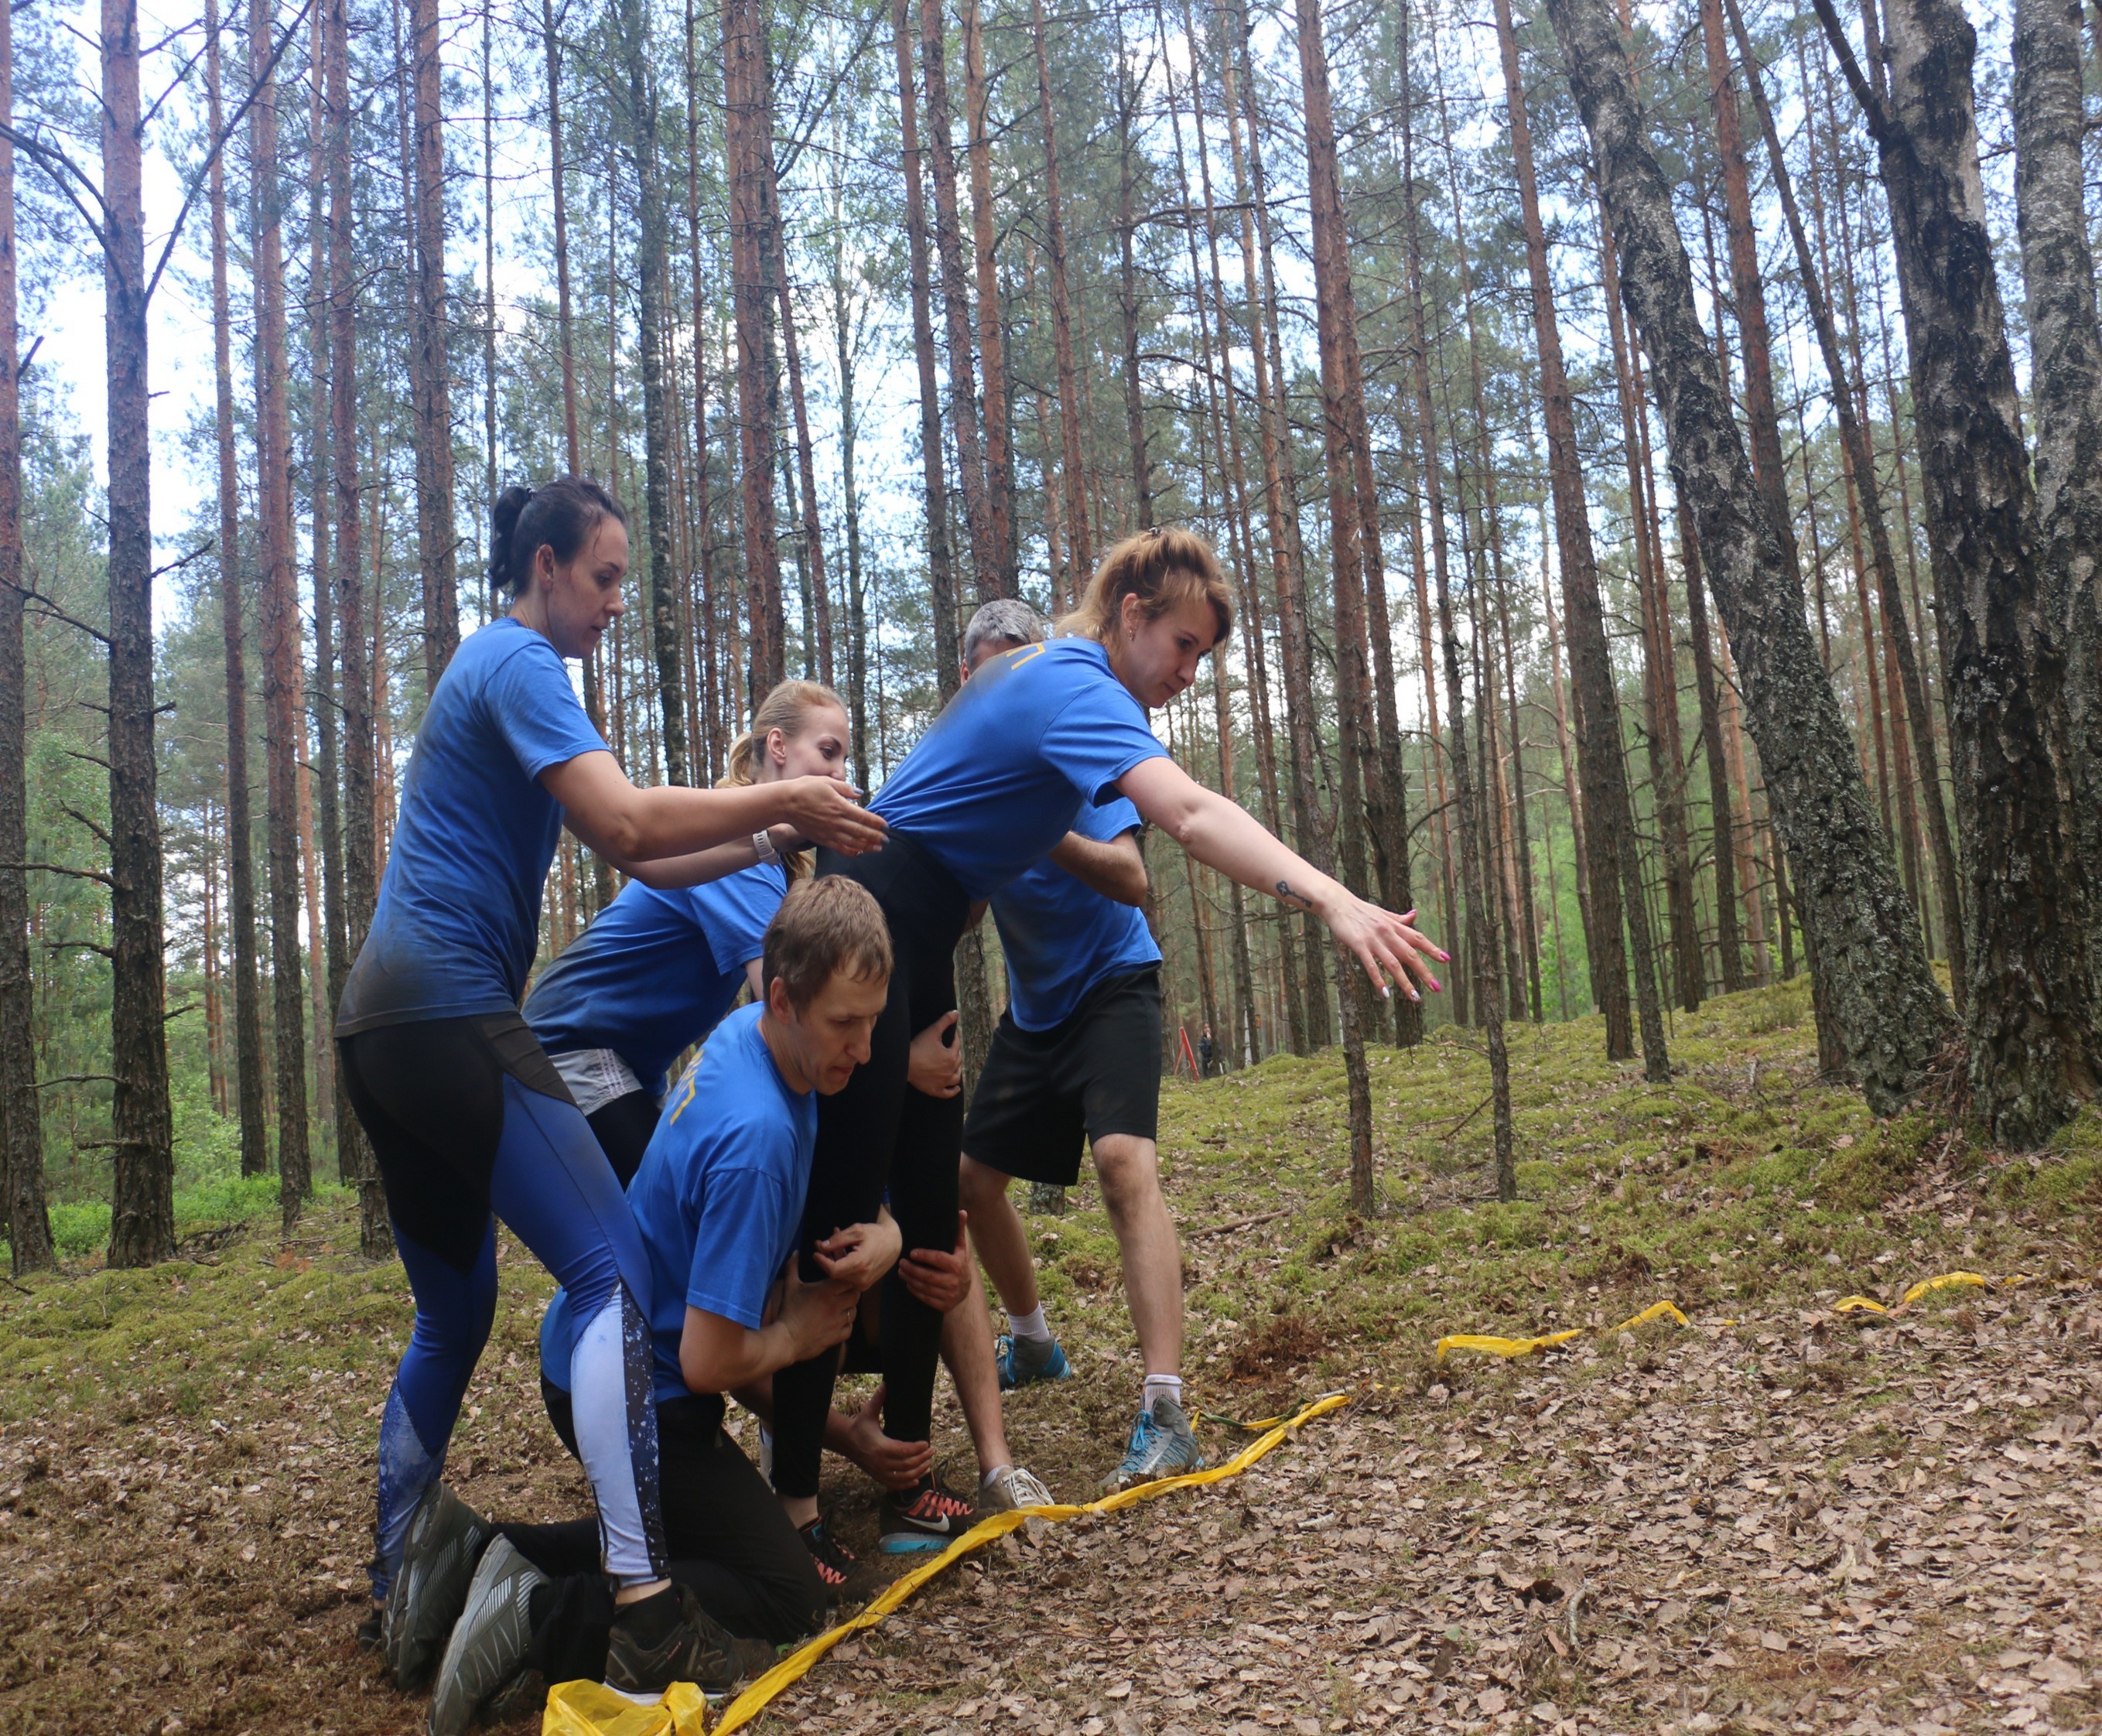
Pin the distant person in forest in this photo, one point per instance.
(995, 785)
(719, 1201)
(1206, 1049)
(468, 1119)
(1074, 1063)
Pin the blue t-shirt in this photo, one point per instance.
(458, 916)
(719, 1198)
(1061, 938)
(655, 970)
(1035, 733)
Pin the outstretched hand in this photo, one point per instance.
(827, 812)
(1386, 945)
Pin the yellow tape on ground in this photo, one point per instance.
(1488, 1345)
(791, 1669)
(1927, 1286)
(588, 1709)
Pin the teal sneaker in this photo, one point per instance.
(1162, 1445)
(1021, 1362)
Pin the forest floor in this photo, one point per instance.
(1777, 1518)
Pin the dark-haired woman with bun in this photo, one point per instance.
(467, 1118)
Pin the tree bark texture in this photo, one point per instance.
(749, 124)
(1080, 552)
(1848, 393)
(956, 304)
(992, 339)
(2058, 271)
(436, 538)
(1614, 867)
(2031, 1021)
(940, 572)
(21, 1122)
(251, 1092)
(283, 733)
(653, 285)
(361, 869)
(1892, 1012)
(142, 1228)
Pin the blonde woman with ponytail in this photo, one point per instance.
(659, 967)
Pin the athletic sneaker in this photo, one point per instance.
(489, 1642)
(1022, 1361)
(668, 1637)
(1162, 1445)
(923, 1518)
(838, 1570)
(372, 1631)
(445, 1540)
(1011, 1488)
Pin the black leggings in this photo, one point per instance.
(879, 1133)
(727, 1536)
(622, 1128)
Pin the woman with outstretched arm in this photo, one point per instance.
(994, 786)
(468, 1120)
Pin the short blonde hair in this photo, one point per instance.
(787, 708)
(1164, 568)
(824, 927)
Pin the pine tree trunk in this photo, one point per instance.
(361, 873)
(1729, 944)
(941, 575)
(985, 546)
(2058, 270)
(992, 343)
(749, 126)
(652, 286)
(240, 826)
(2031, 1021)
(1848, 394)
(1892, 1015)
(573, 451)
(142, 1228)
(22, 1209)
(1335, 325)
(1309, 826)
(857, 617)
(282, 732)
(1079, 553)
(437, 542)
(1614, 868)
(333, 965)
(1488, 993)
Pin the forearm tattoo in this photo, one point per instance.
(1285, 891)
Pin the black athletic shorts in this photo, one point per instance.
(1043, 1095)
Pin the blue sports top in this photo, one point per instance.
(719, 1198)
(458, 916)
(1061, 938)
(1035, 734)
(655, 970)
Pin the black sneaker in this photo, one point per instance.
(924, 1518)
(487, 1650)
(843, 1576)
(372, 1631)
(446, 1540)
(668, 1637)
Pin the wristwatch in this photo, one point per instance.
(762, 846)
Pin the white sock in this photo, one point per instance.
(1031, 1326)
(1163, 1386)
(987, 1481)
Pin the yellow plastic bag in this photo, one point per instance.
(590, 1708)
